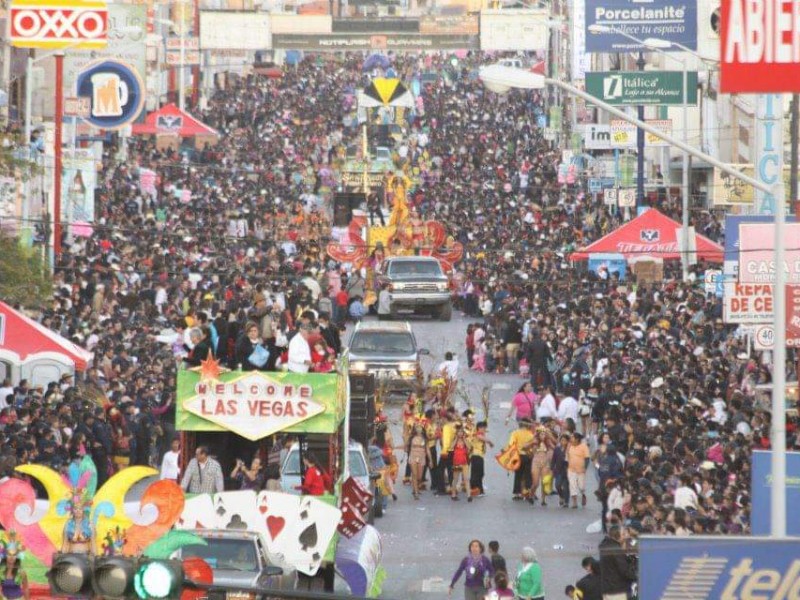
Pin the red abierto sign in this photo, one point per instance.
(793, 316)
(760, 46)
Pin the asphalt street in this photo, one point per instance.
(424, 541)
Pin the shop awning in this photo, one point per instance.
(169, 119)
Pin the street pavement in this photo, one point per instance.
(424, 541)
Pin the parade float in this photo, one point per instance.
(363, 244)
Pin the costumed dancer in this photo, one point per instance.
(14, 582)
(81, 477)
(521, 438)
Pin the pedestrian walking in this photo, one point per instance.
(529, 584)
(577, 462)
(617, 573)
(522, 438)
(498, 562)
(477, 569)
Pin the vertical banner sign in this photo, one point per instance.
(761, 487)
(579, 56)
(58, 24)
(663, 19)
(793, 316)
(769, 146)
(760, 46)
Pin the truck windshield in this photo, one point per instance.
(405, 267)
(236, 555)
(382, 342)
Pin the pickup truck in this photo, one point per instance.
(419, 284)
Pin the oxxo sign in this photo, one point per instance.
(58, 24)
(760, 46)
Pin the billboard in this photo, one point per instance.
(449, 25)
(514, 29)
(642, 87)
(729, 191)
(761, 486)
(759, 47)
(715, 567)
(596, 137)
(235, 31)
(286, 23)
(116, 92)
(769, 145)
(757, 253)
(623, 134)
(731, 265)
(78, 182)
(580, 58)
(58, 24)
(664, 19)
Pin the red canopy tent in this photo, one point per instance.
(171, 119)
(650, 234)
(23, 340)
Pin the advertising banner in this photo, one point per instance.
(757, 253)
(623, 134)
(514, 29)
(730, 191)
(663, 19)
(759, 46)
(255, 404)
(235, 31)
(78, 182)
(793, 316)
(580, 58)
(642, 87)
(449, 25)
(287, 23)
(401, 41)
(57, 24)
(731, 265)
(718, 567)
(769, 144)
(610, 262)
(747, 303)
(761, 486)
(116, 92)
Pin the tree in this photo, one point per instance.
(24, 277)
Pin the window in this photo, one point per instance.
(382, 342)
(235, 555)
(427, 267)
(357, 466)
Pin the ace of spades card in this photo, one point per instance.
(277, 513)
(198, 513)
(235, 510)
(311, 534)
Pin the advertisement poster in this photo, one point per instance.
(762, 492)
(747, 303)
(731, 265)
(78, 182)
(757, 253)
(663, 19)
(715, 567)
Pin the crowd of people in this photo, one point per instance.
(223, 253)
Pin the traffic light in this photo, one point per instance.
(70, 575)
(159, 579)
(113, 576)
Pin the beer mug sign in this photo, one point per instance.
(116, 92)
(109, 95)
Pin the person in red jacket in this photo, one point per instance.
(314, 480)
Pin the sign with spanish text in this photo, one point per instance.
(58, 24)
(623, 134)
(719, 567)
(596, 137)
(793, 316)
(747, 303)
(664, 19)
(769, 145)
(642, 87)
(757, 253)
(760, 46)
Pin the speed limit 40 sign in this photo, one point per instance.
(764, 337)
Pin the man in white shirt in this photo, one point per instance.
(170, 464)
(685, 495)
(299, 351)
(568, 409)
(547, 409)
(6, 390)
(449, 366)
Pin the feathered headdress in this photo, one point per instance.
(114, 542)
(11, 546)
(81, 478)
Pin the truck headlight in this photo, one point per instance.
(442, 287)
(398, 286)
(358, 365)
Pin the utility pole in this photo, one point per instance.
(794, 129)
(640, 146)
